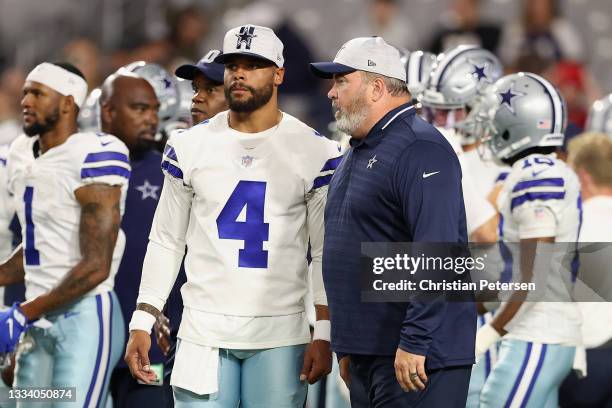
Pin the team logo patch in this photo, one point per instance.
(245, 36)
(246, 161)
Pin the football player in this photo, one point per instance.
(69, 190)
(456, 79)
(539, 203)
(244, 191)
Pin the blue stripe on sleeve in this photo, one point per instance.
(502, 176)
(169, 151)
(547, 182)
(103, 156)
(172, 169)
(322, 181)
(543, 195)
(105, 171)
(332, 164)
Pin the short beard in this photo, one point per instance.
(39, 128)
(352, 117)
(258, 99)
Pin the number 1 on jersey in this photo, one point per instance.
(250, 196)
(32, 256)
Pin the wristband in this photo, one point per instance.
(142, 320)
(322, 330)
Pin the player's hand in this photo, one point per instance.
(345, 372)
(410, 370)
(486, 337)
(162, 333)
(137, 356)
(317, 361)
(12, 323)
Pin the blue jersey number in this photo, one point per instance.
(253, 231)
(32, 256)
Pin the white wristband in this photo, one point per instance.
(486, 336)
(142, 320)
(322, 330)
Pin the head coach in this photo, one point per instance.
(399, 181)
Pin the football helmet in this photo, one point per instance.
(600, 116)
(522, 111)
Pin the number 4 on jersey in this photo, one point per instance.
(253, 231)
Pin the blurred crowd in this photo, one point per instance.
(100, 36)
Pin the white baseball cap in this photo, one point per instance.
(369, 54)
(254, 41)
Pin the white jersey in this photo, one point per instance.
(6, 206)
(478, 210)
(483, 171)
(245, 205)
(6, 212)
(541, 198)
(43, 192)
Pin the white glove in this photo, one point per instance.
(486, 336)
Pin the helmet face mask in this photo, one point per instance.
(522, 111)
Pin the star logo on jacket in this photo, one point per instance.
(148, 190)
(246, 161)
(371, 162)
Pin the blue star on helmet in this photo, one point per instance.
(479, 72)
(508, 96)
(167, 83)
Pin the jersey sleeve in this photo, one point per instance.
(329, 160)
(106, 161)
(534, 204)
(167, 238)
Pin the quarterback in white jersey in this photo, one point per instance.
(540, 204)
(245, 193)
(69, 191)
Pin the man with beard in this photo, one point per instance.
(69, 190)
(207, 82)
(128, 110)
(245, 191)
(400, 181)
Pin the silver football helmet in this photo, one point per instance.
(89, 114)
(459, 75)
(523, 111)
(185, 93)
(418, 70)
(165, 86)
(600, 116)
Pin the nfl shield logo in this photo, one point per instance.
(246, 161)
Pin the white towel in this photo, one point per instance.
(196, 368)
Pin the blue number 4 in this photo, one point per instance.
(32, 256)
(253, 231)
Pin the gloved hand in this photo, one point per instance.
(12, 323)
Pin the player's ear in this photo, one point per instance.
(279, 76)
(67, 104)
(106, 113)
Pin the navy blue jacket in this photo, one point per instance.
(145, 186)
(379, 194)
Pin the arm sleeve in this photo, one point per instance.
(167, 238)
(433, 209)
(315, 203)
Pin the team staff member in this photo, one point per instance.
(400, 181)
